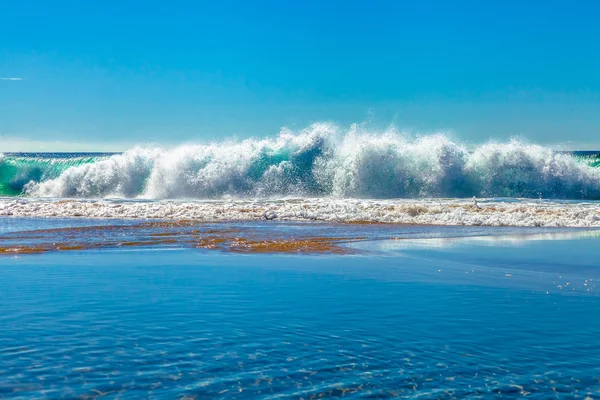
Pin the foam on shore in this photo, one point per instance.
(425, 212)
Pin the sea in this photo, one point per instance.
(306, 266)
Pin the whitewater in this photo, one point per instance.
(320, 173)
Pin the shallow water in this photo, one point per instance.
(437, 312)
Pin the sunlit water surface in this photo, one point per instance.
(428, 315)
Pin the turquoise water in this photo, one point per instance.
(441, 312)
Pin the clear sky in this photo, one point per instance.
(106, 74)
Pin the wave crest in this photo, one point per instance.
(323, 160)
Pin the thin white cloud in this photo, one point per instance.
(11, 79)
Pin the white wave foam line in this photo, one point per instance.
(425, 212)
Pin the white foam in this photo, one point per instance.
(324, 160)
(437, 212)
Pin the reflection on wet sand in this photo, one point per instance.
(183, 233)
(271, 237)
(489, 240)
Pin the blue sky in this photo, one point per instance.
(108, 74)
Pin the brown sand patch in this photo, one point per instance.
(186, 234)
(291, 245)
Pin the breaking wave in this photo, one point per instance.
(321, 160)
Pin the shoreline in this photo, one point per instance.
(247, 237)
(443, 212)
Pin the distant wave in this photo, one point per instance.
(321, 160)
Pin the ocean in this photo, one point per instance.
(313, 163)
(269, 309)
(303, 266)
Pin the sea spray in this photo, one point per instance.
(320, 161)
